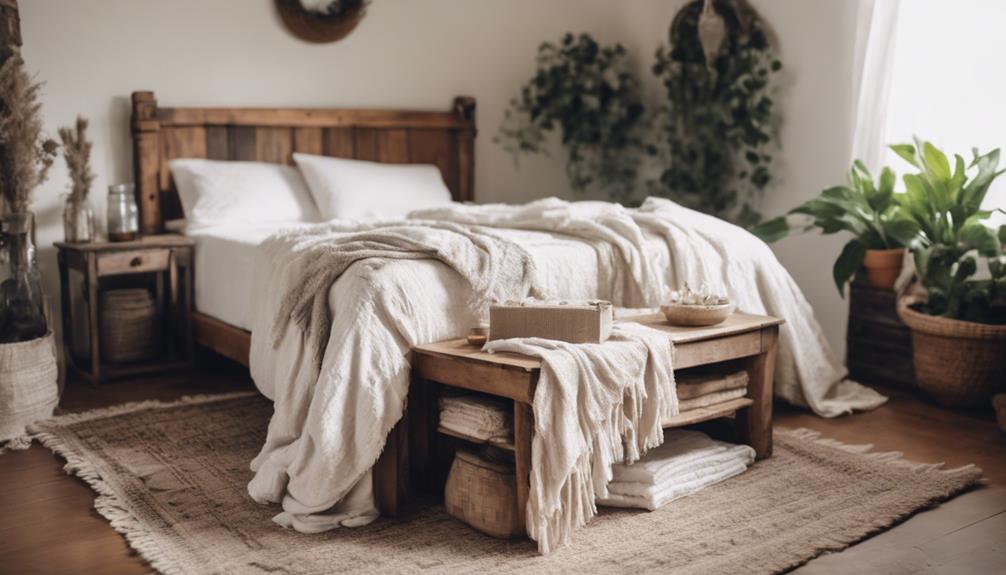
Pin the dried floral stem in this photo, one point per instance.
(77, 153)
(25, 154)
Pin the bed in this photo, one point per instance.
(339, 381)
(160, 134)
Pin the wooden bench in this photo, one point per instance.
(750, 339)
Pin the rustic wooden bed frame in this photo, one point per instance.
(444, 138)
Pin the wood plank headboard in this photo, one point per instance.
(273, 134)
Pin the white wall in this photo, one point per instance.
(92, 54)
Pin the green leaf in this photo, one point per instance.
(1002, 235)
(973, 193)
(903, 231)
(847, 264)
(771, 231)
(907, 153)
(936, 162)
(978, 237)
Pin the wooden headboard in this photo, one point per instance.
(273, 134)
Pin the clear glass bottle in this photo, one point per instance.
(22, 305)
(123, 215)
(78, 221)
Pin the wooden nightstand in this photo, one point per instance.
(165, 262)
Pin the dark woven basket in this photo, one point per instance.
(129, 326)
(483, 494)
(957, 363)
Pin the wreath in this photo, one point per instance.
(715, 128)
(321, 21)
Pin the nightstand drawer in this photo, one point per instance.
(132, 262)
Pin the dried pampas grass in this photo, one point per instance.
(77, 153)
(25, 154)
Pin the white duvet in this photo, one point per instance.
(332, 415)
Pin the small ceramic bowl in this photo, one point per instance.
(477, 336)
(696, 314)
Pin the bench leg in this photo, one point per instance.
(523, 432)
(755, 422)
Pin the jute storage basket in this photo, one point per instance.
(129, 326)
(29, 387)
(957, 363)
(483, 494)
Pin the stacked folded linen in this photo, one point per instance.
(476, 416)
(686, 463)
(702, 388)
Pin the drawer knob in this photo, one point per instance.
(135, 262)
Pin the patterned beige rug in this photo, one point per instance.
(172, 479)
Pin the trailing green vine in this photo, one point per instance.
(586, 91)
(715, 128)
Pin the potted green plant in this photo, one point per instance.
(959, 326)
(872, 212)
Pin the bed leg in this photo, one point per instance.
(391, 473)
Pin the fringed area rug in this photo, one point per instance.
(172, 477)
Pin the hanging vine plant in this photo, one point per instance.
(586, 92)
(715, 129)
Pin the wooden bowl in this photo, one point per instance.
(696, 315)
(477, 336)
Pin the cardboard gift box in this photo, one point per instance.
(586, 321)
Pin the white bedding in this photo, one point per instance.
(332, 416)
(225, 269)
(225, 266)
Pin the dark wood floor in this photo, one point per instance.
(47, 524)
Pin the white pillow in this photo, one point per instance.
(215, 192)
(355, 189)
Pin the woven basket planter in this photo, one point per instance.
(957, 363)
(29, 386)
(129, 325)
(483, 494)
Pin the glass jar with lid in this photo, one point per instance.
(123, 215)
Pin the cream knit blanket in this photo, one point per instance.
(496, 269)
(595, 405)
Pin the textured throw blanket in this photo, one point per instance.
(418, 284)
(704, 250)
(329, 426)
(595, 405)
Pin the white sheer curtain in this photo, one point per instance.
(876, 32)
(932, 68)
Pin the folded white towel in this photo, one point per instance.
(687, 462)
(710, 399)
(475, 416)
(654, 498)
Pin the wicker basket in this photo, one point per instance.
(129, 325)
(28, 384)
(957, 363)
(483, 494)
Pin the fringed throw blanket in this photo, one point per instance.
(595, 405)
(329, 425)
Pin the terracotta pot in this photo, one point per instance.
(883, 267)
(957, 363)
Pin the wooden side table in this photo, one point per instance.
(750, 339)
(170, 257)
